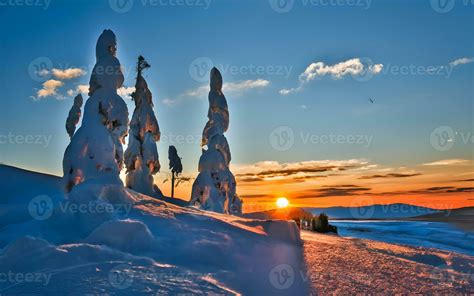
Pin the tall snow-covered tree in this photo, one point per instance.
(141, 156)
(74, 115)
(215, 187)
(95, 154)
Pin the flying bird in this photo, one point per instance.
(372, 101)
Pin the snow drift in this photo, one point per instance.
(138, 244)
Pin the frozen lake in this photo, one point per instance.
(438, 235)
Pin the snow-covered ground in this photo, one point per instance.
(345, 266)
(139, 246)
(440, 235)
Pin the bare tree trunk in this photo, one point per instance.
(172, 185)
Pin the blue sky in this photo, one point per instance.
(238, 35)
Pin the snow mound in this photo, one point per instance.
(124, 235)
(137, 244)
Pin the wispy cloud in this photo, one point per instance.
(49, 89)
(239, 87)
(293, 171)
(84, 89)
(335, 190)
(234, 88)
(69, 73)
(315, 70)
(391, 175)
(81, 88)
(461, 61)
(446, 162)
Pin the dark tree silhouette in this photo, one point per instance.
(175, 166)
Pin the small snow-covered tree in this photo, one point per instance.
(95, 154)
(141, 156)
(215, 187)
(74, 115)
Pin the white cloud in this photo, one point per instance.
(315, 70)
(197, 92)
(81, 88)
(84, 89)
(447, 162)
(461, 61)
(287, 91)
(125, 91)
(43, 73)
(49, 89)
(234, 88)
(339, 70)
(169, 102)
(244, 85)
(68, 73)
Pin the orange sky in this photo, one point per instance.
(443, 184)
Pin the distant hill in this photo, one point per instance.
(392, 211)
(279, 214)
(463, 217)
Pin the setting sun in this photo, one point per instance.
(282, 202)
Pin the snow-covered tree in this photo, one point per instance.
(74, 115)
(95, 154)
(141, 156)
(215, 187)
